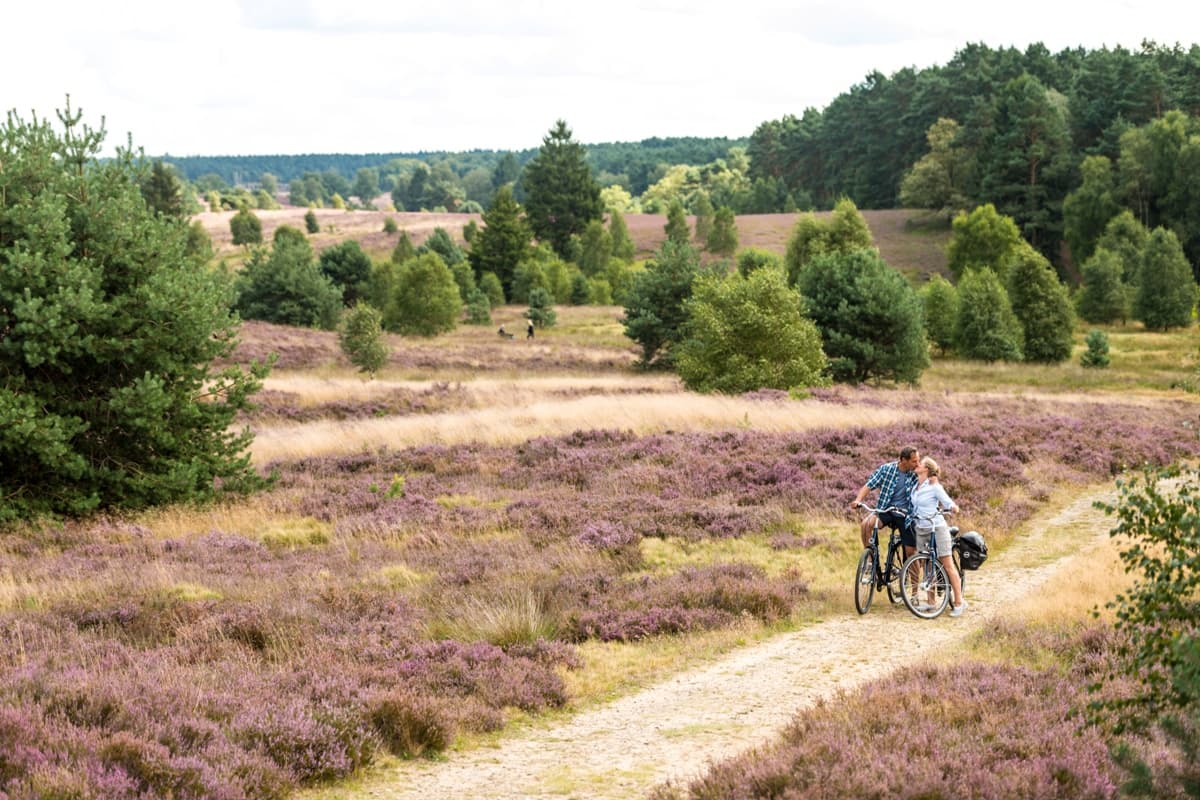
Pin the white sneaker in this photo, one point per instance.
(959, 609)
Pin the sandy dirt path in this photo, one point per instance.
(673, 730)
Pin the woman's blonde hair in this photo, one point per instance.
(931, 465)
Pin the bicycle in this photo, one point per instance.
(931, 593)
(870, 575)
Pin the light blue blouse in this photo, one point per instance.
(928, 500)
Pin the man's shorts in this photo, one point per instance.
(908, 537)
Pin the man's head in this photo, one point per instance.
(909, 459)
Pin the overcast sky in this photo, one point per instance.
(230, 77)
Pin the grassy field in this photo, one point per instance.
(498, 532)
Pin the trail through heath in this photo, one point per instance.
(675, 729)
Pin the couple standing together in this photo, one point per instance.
(911, 484)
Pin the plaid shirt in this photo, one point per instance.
(895, 487)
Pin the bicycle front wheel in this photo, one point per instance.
(864, 582)
(924, 586)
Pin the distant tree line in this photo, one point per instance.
(1006, 127)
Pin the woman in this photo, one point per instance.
(929, 499)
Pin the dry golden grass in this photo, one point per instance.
(642, 414)
(312, 390)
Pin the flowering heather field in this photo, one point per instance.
(469, 350)
(949, 732)
(394, 599)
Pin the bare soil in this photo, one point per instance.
(674, 730)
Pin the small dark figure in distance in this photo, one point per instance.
(529, 330)
(503, 333)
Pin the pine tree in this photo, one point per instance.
(110, 329)
(677, 226)
(723, 238)
(654, 308)
(285, 285)
(503, 243)
(162, 191)
(245, 227)
(541, 308)
(869, 317)
(310, 222)
(561, 196)
(704, 217)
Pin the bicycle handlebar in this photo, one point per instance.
(878, 511)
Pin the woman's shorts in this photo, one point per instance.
(943, 539)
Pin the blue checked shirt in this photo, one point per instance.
(895, 487)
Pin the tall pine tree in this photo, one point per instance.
(561, 195)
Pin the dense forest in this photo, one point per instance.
(1018, 128)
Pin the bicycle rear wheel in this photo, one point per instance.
(864, 582)
(892, 571)
(924, 586)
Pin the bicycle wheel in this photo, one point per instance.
(924, 586)
(864, 582)
(894, 565)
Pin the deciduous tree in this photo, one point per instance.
(940, 300)
(424, 299)
(987, 328)
(844, 232)
(1088, 209)
(360, 335)
(1103, 296)
(748, 333)
(983, 238)
(1043, 307)
(1166, 291)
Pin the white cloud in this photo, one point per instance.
(266, 76)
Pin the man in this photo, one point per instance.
(895, 481)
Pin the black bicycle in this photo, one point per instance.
(873, 574)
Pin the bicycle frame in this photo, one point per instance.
(871, 574)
